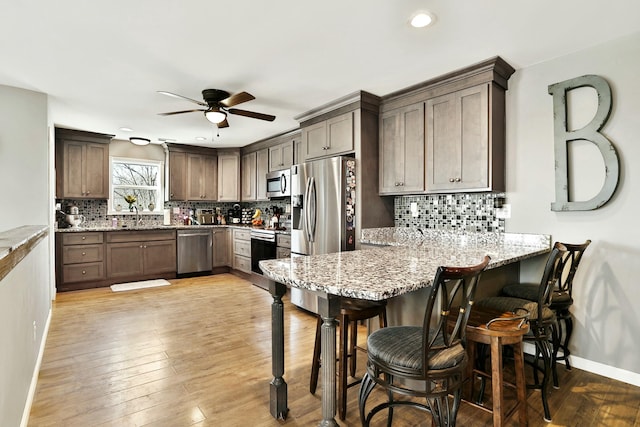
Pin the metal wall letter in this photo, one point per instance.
(588, 133)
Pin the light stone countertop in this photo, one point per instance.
(159, 227)
(16, 243)
(407, 264)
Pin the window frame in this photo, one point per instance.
(111, 209)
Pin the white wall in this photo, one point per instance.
(605, 287)
(25, 293)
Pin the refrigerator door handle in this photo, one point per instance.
(310, 209)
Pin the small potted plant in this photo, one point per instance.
(131, 199)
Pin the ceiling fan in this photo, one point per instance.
(217, 105)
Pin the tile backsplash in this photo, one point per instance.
(96, 211)
(456, 212)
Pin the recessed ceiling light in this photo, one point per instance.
(166, 140)
(125, 129)
(201, 138)
(421, 19)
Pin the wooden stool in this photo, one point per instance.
(497, 329)
(351, 312)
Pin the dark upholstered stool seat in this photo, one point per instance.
(402, 346)
(529, 291)
(512, 304)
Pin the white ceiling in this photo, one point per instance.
(102, 63)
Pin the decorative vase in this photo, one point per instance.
(130, 207)
(152, 207)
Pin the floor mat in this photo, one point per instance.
(139, 285)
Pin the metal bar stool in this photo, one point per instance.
(352, 311)
(498, 329)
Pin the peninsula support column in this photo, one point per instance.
(328, 309)
(278, 386)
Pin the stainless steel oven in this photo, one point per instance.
(263, 246)
(279, 184)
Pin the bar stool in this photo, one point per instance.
(498, 329)
(352, 311)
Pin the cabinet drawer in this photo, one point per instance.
(83, 272)
(283, 252)
(242, 247)
(81, 238)
(78, 254)
(241, 234)
(242, 263)
(140, 236)
(284, 240)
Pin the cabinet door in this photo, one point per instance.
(458, 140)
(210, 178)
(340, 134)
(177, 176)
(248, 173)
(228, 178)
(314, 140)
(220, 248)
(159, 257)
(402, 150)
(281, 156)
(194, 177)
(73, 167)
(96, 173)
(262, 167)
(124, 259)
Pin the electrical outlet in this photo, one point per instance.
(414, 210)
(504, 212)
(176, 211)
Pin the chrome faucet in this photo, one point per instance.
(138, 219)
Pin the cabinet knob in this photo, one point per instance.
(84, 272)
(88, 192)
(141, 246)
(397, 184)
(458, 179)
(84, 237)
(84, 253)
(401, 184)
(451, 179)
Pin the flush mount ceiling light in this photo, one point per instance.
(214, 115)
(126, 129)
(200, 138)
(421, 19)
(139, 141)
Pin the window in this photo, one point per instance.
(141, 179)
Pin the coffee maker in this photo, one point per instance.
(235, 214)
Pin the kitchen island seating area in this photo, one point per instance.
(431, 355)
(561, 302)
(541, 321)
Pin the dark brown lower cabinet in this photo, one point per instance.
(95, 259)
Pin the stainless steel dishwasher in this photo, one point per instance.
(194, 251)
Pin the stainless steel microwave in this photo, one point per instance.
(279, 184)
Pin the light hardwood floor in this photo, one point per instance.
(198, 353)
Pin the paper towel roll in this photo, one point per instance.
(167, 217)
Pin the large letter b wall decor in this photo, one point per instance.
(591, 133)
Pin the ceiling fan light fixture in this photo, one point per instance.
(139, 141)
(421, 19)
(215, 116)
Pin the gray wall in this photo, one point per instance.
(25, 293)
(606, 321)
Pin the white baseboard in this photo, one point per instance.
(597, 368)
(36, 373)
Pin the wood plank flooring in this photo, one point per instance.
(198, 353)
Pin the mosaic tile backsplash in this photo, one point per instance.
(474, 212)
(96, 212)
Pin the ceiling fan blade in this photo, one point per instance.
(178, 112)
(182, 97)
(252, 114)
(223, 124)
(237, 98)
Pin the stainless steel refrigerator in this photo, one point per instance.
(323, 194)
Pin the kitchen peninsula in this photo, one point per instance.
(405, 261)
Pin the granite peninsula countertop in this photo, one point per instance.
(406, 260)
